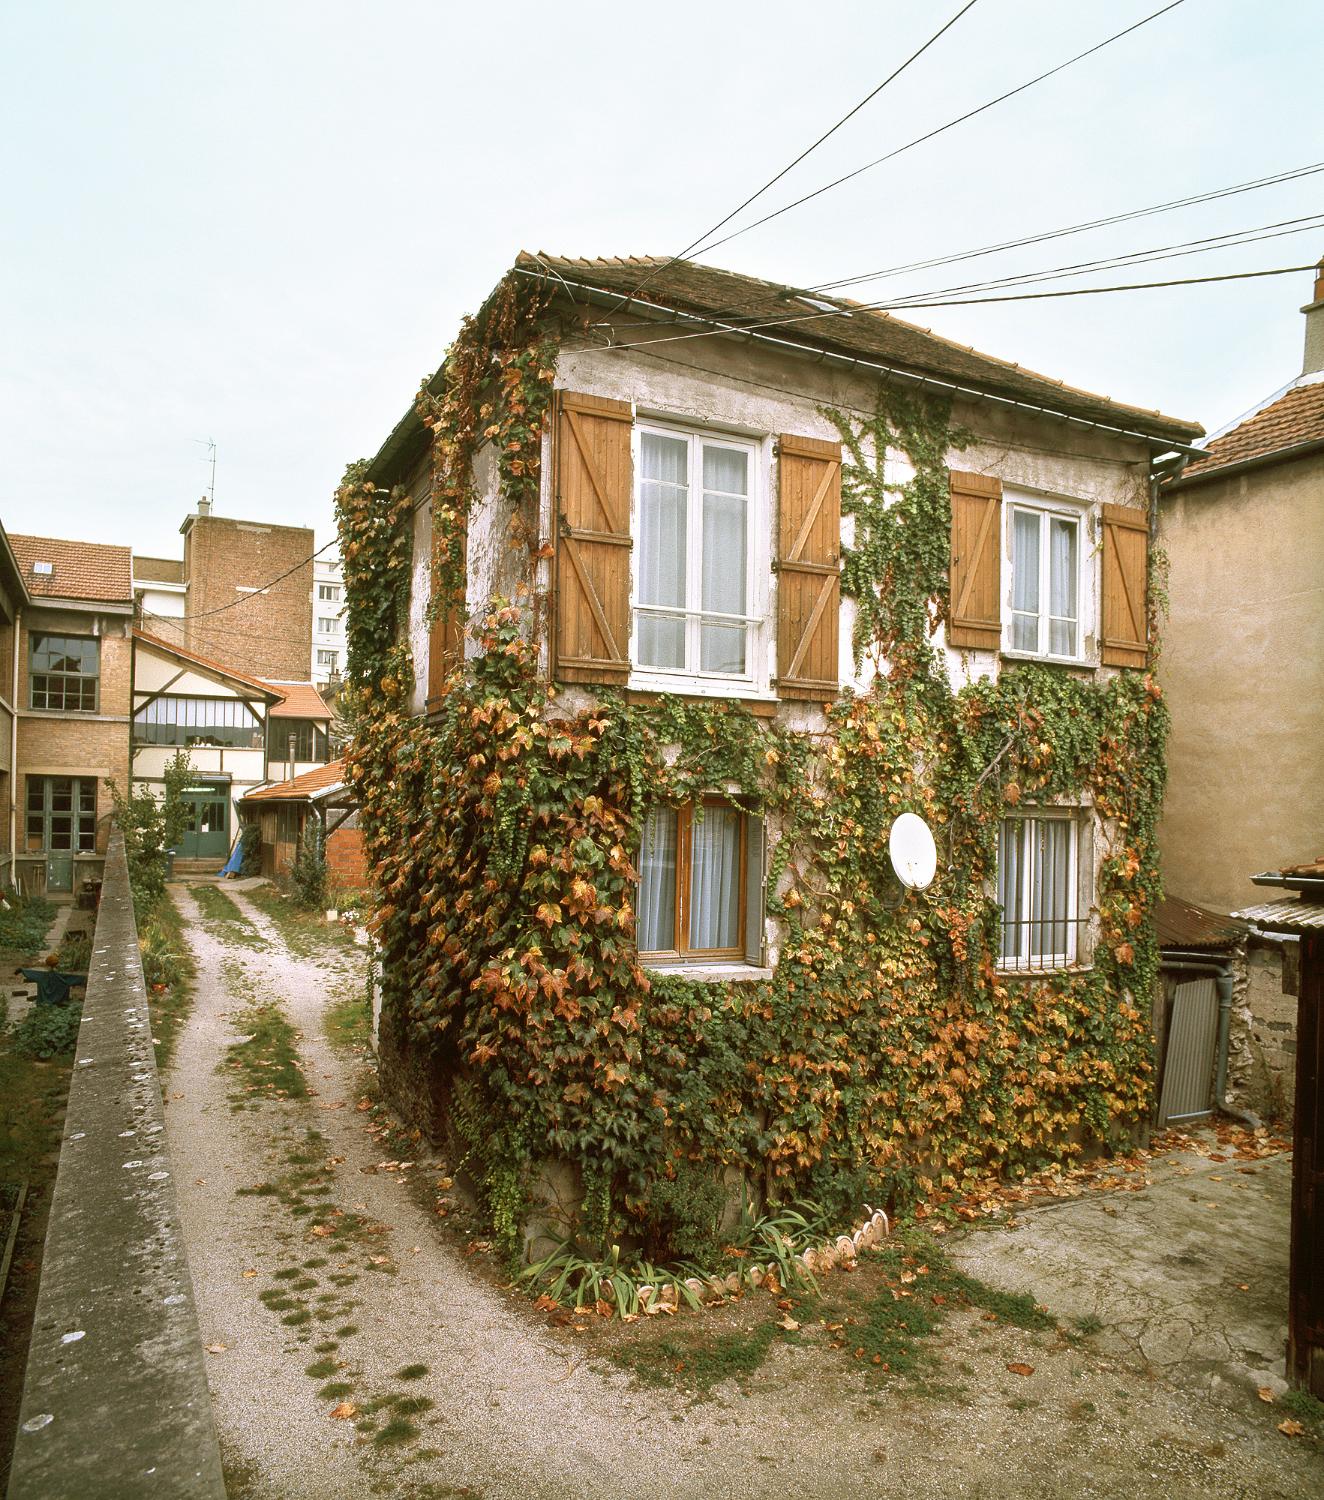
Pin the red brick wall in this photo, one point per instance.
(345, 863)
(267, 634)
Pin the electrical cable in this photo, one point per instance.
(260, 589)
(939, 130)
(1070, 229)
(721, 223)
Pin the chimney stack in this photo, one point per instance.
(204, 504)
(1314, 311)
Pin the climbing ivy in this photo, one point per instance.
(886, 1053)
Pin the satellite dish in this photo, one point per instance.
(913, 853)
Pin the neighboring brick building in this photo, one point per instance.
(74, 690)
(14, 599)
(233, 611)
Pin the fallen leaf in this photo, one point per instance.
(321, 1230)
(546, 1304)
(380, 1260)
(603, 1309)
(343, 1411)
(217, 1348)
(1291, 1428)
(1243, 1286)
(1020, 1369)
(1265, 1394)
(788, 1323)
(250, 1273)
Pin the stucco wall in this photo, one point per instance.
(1243, 670)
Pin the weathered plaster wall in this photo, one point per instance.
(1243, 670)
(1262, 1050)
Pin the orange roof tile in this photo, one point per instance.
(321, 779)
(1294, 418)
(204, 661)
(299, 700)
(79, 570)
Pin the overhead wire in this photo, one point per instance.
(937, 131)
(1052, 234)
(244, 598)
(808, 151)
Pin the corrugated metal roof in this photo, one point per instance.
(1294, 915)
(1182, 924)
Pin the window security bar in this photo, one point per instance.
(678, 611)
(1040, 944)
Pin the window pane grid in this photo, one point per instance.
(63, 673)
(61, 814)
(176, 720)
(1037, 881)
(1045, 583)
(691, 610)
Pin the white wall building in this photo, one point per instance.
(328, 655)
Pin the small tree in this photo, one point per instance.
(308, 873)
(151, 827)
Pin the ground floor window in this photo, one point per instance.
(61, 814)
(1039, 889)
(701, 883)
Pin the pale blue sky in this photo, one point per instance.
(262, 222)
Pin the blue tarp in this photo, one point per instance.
(231, 866)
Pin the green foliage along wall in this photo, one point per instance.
(886, 1052)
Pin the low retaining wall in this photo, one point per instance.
(115, 1400)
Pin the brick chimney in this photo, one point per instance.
(1314, 311)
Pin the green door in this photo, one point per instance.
(59, 872)
(208, 832)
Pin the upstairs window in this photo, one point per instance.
(64, 672)
(693, 556)
(172, 719)
(328, 593)
(1045, 553)
(328, 659)
(328, 624)
(309, 740)
(1039, 890)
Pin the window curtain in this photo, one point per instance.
(663, 522)
(657, 882)
(1025, 580)
(1050, 886)
(725, 549)
(715, 879)
(1009, 889)
(1062, 573)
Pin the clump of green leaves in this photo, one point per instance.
(48, 1031)
(308, 874)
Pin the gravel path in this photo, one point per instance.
(516, 1412)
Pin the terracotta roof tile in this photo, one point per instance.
(870, 334)
(321, 779)
(1311, 867)
(300, 700)
(1296, 417)
(79, 570)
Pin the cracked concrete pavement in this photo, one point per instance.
(1187, 1276)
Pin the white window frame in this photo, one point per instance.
(1086, 581)
(328, 624)
(1079, 885)
(328, 593)
(755, 681)
(322, 655)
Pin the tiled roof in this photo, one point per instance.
(1291, 419)
(875, 335)
(1182, 924)
(1312, 867)
(79, 570)
(204, 661)
(325, 778)
(299, 700)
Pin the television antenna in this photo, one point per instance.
(210, 445)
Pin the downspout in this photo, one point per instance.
(13, 754)
(1221, 968)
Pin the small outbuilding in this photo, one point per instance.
(282, 811)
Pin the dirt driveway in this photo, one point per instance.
(353, 1349)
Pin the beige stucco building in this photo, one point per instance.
(1243, 654)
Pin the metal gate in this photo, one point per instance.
(1188, 1073)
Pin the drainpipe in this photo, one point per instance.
(1174, 962)
(13, 755)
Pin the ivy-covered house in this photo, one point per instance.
(668, 594)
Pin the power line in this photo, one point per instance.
(951, 124)
(1070, 229)
(737, 329)
(1229, 241)
(809, 150)
(244, 598)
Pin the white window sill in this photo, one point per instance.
(715, 973)
(1049, 971)
(700, 687)
(1081, 663)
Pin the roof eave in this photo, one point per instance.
(1245, 465)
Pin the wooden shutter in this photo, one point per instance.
(1125, 633)
(755, 878)
(808, 566)
(975, 616)
(446, 632)
(594, 482)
